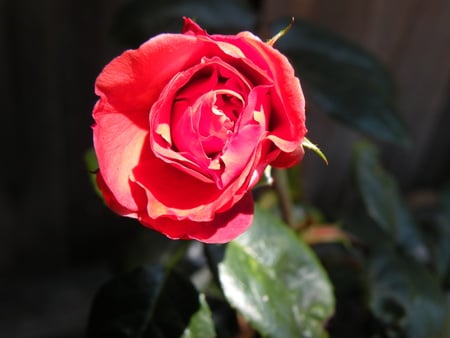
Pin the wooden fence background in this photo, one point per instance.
(51, 52)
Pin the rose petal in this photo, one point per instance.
(191, 27)
(239, 152)
(118, 143)
(223, 228)
(128, 83)
(111, 200)
(174, 192)
(287, 160)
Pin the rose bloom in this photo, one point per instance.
(185, 126)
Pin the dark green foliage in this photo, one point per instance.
(344, 80)
(147, 302)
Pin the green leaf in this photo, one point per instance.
(147, 302)
(403, 295)
(344, 80)
(90, 160)
(436, 222)
(139, 20)
(437, 236)
(201, 324)
(276, 282)
(384, 203)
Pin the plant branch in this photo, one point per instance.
(281, 184)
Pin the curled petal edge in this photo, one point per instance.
(223, 228)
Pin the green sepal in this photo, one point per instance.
(311, 146)
(281, 33)
(90, 160)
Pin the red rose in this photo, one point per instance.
(185, 126)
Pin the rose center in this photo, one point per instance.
(218, 115)
(206, 111)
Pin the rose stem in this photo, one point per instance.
(281, 184)
(178, 254)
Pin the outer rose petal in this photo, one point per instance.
(191, 27)
(128, 83)
(171, 191)
(110, 199)
(287, 160)
(225, 226)
(118, 144)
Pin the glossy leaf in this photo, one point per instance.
(141, 19)
(201, 324)
(276, 282)
(403, 295)
(344, 80)
(147, 302)
(384, 203)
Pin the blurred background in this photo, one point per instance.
(57, 240)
